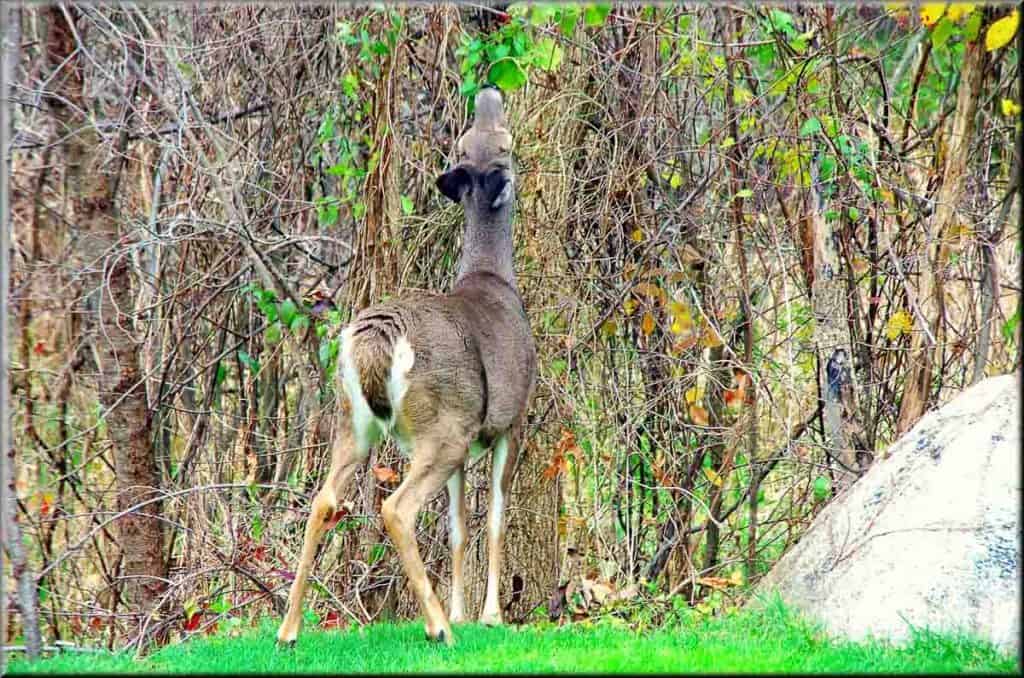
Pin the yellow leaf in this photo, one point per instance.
(609, 328)
(742, 95)
(897, 8)
(694, 394)
(959, 10)
(899, 323)
(648, 324)
(736, 578)
(713, 476)
(676, 180)
(710, 339)
(932, 12)
(628, 306)
(638, 235)
(1010, 107)
(1002, 31)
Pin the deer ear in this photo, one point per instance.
(454, 184)
(498, 188)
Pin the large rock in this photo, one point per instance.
(929, 536)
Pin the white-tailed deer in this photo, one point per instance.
(436, 372)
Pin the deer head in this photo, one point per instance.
(482, 178)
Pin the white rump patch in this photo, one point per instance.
(363, 421)
(367, 426)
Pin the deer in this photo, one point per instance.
(437, 372)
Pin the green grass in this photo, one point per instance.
(766, 640)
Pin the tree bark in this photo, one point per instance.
(832, 338)
(375, 270)
(926, 342)
(10, 531)
(122, 391)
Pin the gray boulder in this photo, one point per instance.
(928, 537)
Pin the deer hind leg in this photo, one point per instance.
(345, 457)
(433, 463)
(503, 458)
(457, 537)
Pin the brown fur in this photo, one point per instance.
(472, 377)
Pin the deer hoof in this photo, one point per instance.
(286, 638)
(443, 636)
(491, 619)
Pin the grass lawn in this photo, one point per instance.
(768, 640)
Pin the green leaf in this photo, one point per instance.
(972, 27)
(350, 84)
(257, 528)
(507, 74)
(547, 55)
(782, 21)
(542, 12)
(822, 488)
(222, 373)
(827, 168)
(941, 33)
(558, 366)
(407, 205)
(469, 87)
(570, 17)
(327, 214)
(1010, 326)
(376, 553)
(853, 213)
(328, 351)
(248, 361)
(220, 606)
(744, 193)
(594, 15)
(299, 323)
(272, 334)
(811, 126)
(286, 310)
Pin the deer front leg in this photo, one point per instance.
(502, 460)
(344, 460)
(457, 537)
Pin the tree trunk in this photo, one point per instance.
(832, 338)
(10, 531)
(121, 388)
(834, 348)
(375, 269)
(926, 342)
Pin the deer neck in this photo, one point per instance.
(487, 245)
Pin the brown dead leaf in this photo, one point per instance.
(715, 582)
(386, 475)
(698, 415)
